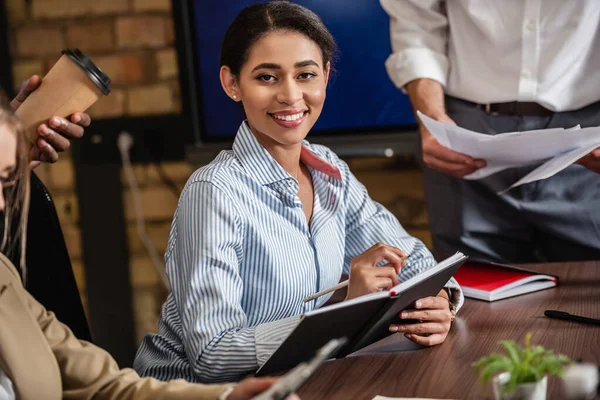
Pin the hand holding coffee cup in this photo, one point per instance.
(56, 133)
(52, 109)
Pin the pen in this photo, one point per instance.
(325, 291)
(570, 317)
(336, 287)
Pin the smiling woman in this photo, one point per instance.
(276, 218)
(282, 98)
(279, 72)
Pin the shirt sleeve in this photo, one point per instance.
(203, 268)
(419, 36)
(368, 223)
(88, 371)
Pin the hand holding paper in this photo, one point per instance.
(555, 149)
(591, 161)
(439, 157)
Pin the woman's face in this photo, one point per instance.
(281, 86)
(8, 158)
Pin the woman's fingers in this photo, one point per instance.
(366, 277)
(427, 315)
(423, 328)
(383, 283)
(432, 302)
(435, 320)
(378, 247)
(383, 252)
(384, 272)
(430, 340)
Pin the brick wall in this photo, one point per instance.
(132, 41)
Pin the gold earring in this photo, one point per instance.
(234, 97)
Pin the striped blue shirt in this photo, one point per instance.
(241, 258)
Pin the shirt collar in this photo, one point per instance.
(260, 164)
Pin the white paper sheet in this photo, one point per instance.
(552, 166)
(555, 149)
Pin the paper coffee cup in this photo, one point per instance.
(72, 85)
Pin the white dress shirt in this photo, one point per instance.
(490, 51)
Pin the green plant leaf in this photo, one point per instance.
(513, 350)
(526, 364)
(493, 368)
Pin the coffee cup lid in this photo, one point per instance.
(94, 72)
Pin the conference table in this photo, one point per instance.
(396, 367)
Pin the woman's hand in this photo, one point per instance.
(250, 387)
(365, 278)
(435, 320)
(56, 134)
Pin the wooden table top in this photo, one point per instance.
(445, 371)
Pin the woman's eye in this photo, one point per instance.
(266, 78)
(306, 75)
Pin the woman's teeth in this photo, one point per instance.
(292, 117)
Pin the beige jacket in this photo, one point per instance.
(45, 360)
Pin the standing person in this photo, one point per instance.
(40, 358)
(494, 67)
(276, 218)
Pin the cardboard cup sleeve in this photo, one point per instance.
(72, 85)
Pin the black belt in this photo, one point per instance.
(517, 108)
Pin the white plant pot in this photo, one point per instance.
(526, 391)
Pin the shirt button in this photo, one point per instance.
(526, 73)
(531, 26)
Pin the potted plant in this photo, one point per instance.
(522, 374)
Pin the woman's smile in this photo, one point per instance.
(289, 118)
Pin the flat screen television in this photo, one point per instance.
(361, 99)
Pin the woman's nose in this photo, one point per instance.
(289, 93)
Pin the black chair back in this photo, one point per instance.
(50, 276)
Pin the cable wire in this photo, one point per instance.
(124, 143)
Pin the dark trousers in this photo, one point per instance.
(556, 219)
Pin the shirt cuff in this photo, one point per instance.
(416, 63)
(456, 294)
(269, 336)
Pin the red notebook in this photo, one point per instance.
(491, 282)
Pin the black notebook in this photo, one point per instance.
(363, 320)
